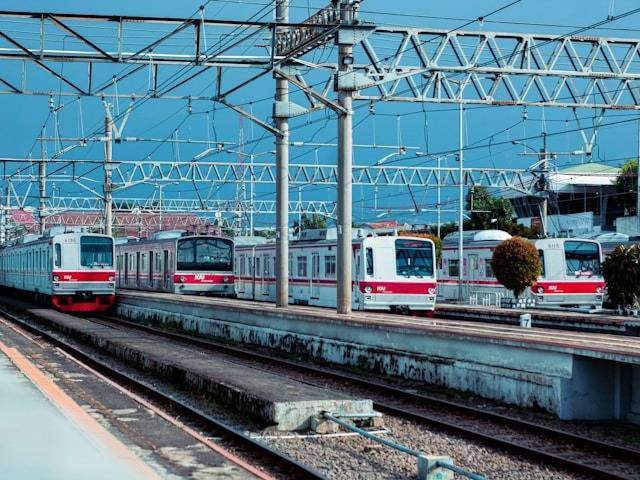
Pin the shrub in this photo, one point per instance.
(516, 265)
(621, 270)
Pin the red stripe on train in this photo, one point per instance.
(416, 288)
(84, 276)
(208, 278)
(550, 287)
(569, 287)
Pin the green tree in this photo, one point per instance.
(309, 222)
(621, 271)
(487, 211)
(516, 264)
(627, 186)
(518, 230)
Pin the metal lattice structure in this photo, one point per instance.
(127, 174)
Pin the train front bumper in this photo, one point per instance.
(390, 301)
(212, 288)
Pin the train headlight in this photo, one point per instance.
(599, 290)
(367, 289)
(540, 289)
(432, 290)
(225, 279)
(56, 278)
(111, 278)
(182, 279)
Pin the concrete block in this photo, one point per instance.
(323, 426)
(427, 462)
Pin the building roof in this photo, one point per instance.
(585, 174)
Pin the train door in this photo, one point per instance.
(165, 270)
(473, 268)
(266, 271)
(126, 268)
(315, 275)
(256, 274)
(240, 265)
(138, 269)
(150, 283)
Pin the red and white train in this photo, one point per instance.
(389, 272)
(72, 271)
(176, 262)
(571, 274)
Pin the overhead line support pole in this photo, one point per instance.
(108, 185)
(345, 160)
(282, 174)
(461, 204)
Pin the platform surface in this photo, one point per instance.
(40, 441)
(275, 399)
(600, 345)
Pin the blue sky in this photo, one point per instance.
(431, 129)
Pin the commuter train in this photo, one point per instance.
(389, 272)
(571, 274)
(176, 262)
(72, 271)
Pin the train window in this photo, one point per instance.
(583, 258)
(330, 266)
(369, 261)
(96, 251)
(205, 254)
(58, 255)
(488, 269)
(257, 261)
(541, 257)
(414, 257)
(267, 266)
(241, 265)
(302, 266)
(454, 268)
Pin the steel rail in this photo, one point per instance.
(411, 413)
(271, 457)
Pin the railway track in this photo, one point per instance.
(574, 452)
(278, 464)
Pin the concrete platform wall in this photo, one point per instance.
(562, 383)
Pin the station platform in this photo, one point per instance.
(275, 400)
(45, 435)
(576, 375)
(556, 318)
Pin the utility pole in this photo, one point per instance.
(438, 190)
(345, 160)
(282, 175)
(108, 186)
(638, 185)
(42, 184)
(461, 201)
(544, 207)
(5, 214)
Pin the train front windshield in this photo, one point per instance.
(583, 258)
(414, 258)
(96, 251)
(205, 254)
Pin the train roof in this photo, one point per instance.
(477, 236)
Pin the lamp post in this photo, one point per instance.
(160, 187)
(251, 157)
(401, 151)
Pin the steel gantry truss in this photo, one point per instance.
(372, 63)
(178, 205)
(390, 63)
(127, 174)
